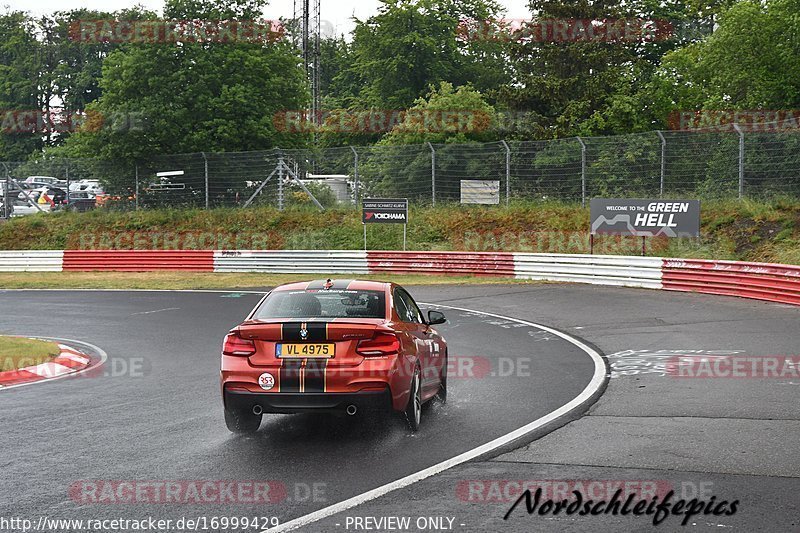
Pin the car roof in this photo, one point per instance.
(337, 284)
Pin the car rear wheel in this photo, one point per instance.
(242, 421)
(413, 410)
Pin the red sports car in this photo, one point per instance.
(333, 346)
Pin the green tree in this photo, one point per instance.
(20, 67)
(574, 86)
(196, 96)
(413, 44)
(445, 115)
(71, 65)
(751, 61)
(457, 123)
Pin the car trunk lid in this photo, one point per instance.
(343, 333)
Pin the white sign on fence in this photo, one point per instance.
(480, 192)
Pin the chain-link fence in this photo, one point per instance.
(699, 164)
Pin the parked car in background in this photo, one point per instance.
(92, 186)
(21, 209)
(25, 188)
(48, 196)
(46, 180)
(81, 201)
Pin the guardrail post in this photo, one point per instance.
(205, 173)
(355, 176)
(508, 170)
(583, 171)
(663, 161)
(433, 173)
(741, 159)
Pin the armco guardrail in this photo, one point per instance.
(291, 261)
(138, 260)
(597, 269)
(31, 261)
(452, 263)
(762, 281)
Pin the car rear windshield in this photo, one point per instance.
(323, 304)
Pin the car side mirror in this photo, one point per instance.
(435, 317)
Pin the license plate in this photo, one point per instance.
(304, 350)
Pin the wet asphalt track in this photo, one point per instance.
(739, 435)
(158, 416)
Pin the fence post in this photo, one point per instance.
(663, 161)
(66, 172)
(280, 182)
(205, 173)
(136, 186)
(741, 159)
(355, 176)
(433, 173)
(508, 170)
(4, 191)
(583, 172)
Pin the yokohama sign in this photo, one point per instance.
(385, 211)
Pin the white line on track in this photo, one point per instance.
(99, 351)
(156, 311)
(594, 385)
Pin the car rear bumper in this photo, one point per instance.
(308, 402)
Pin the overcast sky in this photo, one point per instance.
(336, 13)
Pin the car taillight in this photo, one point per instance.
(381, 344)
(235, 345)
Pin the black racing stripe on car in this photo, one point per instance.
(317, 331)
(291, 332)
(290, 375)
(315, 375)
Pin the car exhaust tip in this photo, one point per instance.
(351, 409)
(257, 409)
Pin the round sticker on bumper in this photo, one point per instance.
(266, 381)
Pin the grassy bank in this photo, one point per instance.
(740, 230)
(16, 352)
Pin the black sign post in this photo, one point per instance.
(384, 211)
(644, 218)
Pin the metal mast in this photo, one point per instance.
(308, 27)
